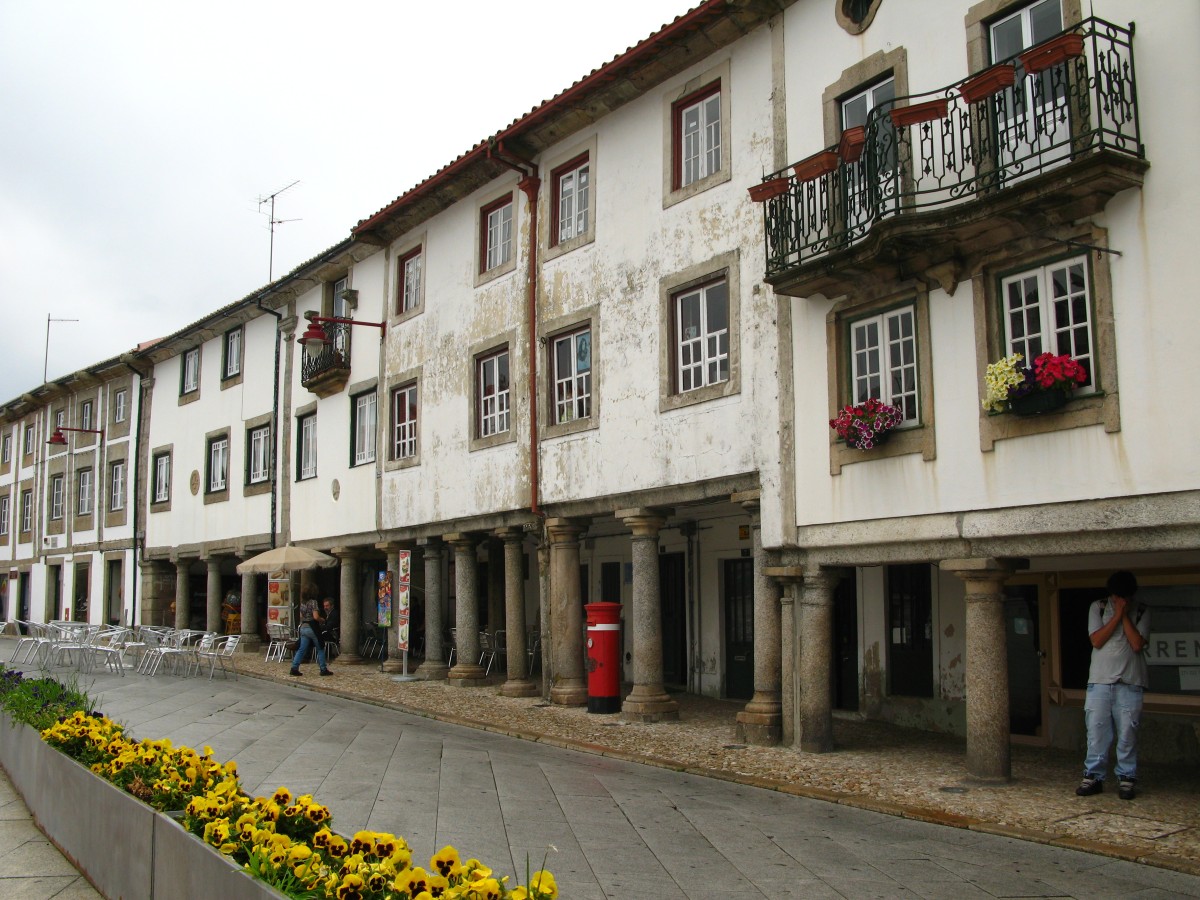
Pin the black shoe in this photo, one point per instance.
(295, 672)
(1126, 790)
(325, 672)
(1090, 786)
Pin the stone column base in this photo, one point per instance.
(519, 687)
(760, 724)
(347, 659)
(393, 666)
(647, 704)
(569, 692)
(431, 670)
(468, 676)
(250, 643)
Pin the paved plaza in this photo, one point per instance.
(611, 829)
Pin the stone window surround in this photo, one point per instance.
(302, 413)
(29, 442)
(919, 438)
(403, 379)
(728, 266)
(6, 443)
(980, 16)
(477, 352)
(167, 450)
(403, 250)
(56, 524)
(228, 381)
(875, 68)
(719, 75)
(6, 521)
(117, 429)
(354, 391)
(587, 317)
(496, 200)
(553, 164)
(264, 486)
(24, 494)
(83, 521)
(193, 395)
(1100, 408)
(327, 288)
(222, 495)
(113, 518)
(847, 23)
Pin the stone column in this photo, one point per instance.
(182, 598)
(434, 666)
(988, 752)
(251, 640)
(789, 578)
(497, 596)
(648, 701)
(395, 656)
(518, 683)
(466, 671)
(349, 607)
(815, 710)
(761, 722)
(567, 685)
(542, 659)
(213, 622)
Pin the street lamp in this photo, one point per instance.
(58, 439)
(315, 338)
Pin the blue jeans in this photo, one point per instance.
(308, 640)
(1107, 704)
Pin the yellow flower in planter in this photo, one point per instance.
(543, 885)
(351, 888)
(446, 861)
(282, 797)
(413, 881)
(438, 885)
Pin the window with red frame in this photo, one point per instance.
(697, 135)
(570, 203)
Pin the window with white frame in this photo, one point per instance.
(408, 272)
(4, 512)
(120, 400)
(698, 135)
(258, 455)
(702, 336)
(404, 421)
(83, 497)
(189, 376)
(571, 200)
(56, 497)
(883, 360)
(85, 414)
(1048, 310)
(116, 480)
(493, 387)
(232, 363)
(218, 463)
(60, 418)
(306, 463)
(162, 477)
(572, 376)
(6, 453)
(26, 511)
(28, 439)
(496, 234)
(363, 423)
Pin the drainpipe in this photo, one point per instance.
(529, 185)
(274, 421)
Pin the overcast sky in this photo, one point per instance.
(137, 137)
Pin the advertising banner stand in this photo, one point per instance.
(400, 602)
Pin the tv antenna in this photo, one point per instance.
(46, 362)
(270, 198)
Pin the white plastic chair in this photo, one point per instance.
(219, 654)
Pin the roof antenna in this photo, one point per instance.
(270, 198)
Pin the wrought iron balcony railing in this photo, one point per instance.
(335, 355)
(1067, 98)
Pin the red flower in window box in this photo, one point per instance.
(1052, 52)
(853, 141)
(867, 424)
(920, 112)
(816, 165)
(988, 82)
(760, 193)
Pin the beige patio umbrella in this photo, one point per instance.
(287, 559)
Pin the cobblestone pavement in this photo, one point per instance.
(900, 771)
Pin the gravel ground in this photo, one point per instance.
(900, 771)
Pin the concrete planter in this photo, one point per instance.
(123, 846)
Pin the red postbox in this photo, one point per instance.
(604, 657)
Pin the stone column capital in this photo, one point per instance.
(823, 579)
(751, 501)
(565, 531)
(644, 521)
(510, 534)
(984, 577)
(462, 541)
(785, 575)
(346, 552)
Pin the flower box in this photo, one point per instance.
(1051, 53)
(988, 82)
(920, 112)
(182, 861)
(1038, 403)
(854, 140)
(817, 165)
(768, 189)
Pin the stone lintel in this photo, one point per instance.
(460, 537)
(982, 567)
(784, 573)
(510, 532)
(746, 496)
(346, 552)
(644, 512)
